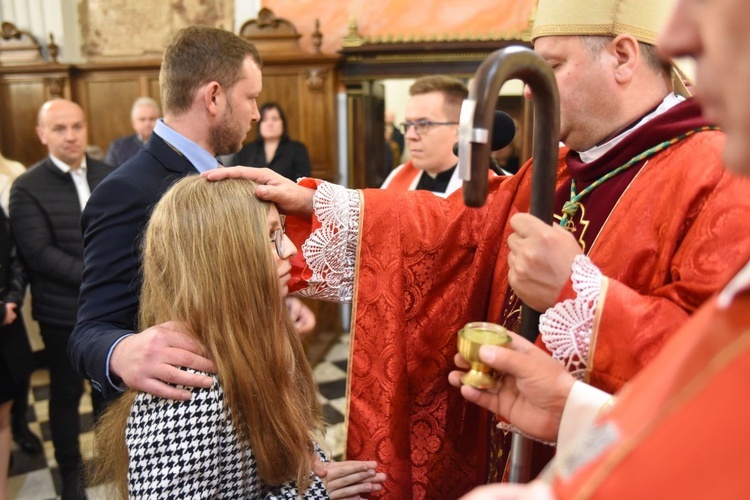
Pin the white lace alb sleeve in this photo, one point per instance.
(566, 327)
(330, 251)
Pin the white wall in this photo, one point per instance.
(687, 65)
(40, 18)
(244, 10)
(396, 95)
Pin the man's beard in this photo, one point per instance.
(226, 136)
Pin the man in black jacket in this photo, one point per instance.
(45, 211)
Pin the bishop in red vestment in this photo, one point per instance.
(425, 266)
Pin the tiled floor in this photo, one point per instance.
(37, 477)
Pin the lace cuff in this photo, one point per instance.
(567, 326)
(331, 249)
(506, 427)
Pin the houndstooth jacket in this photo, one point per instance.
(189, 449)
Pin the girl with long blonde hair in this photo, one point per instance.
(216, 261)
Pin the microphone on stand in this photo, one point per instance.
(503, 132)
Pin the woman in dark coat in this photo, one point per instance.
(16, 358)
(273, 148)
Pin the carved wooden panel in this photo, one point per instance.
(303, 84)
(306, 88)
(18, 46)
(152, 83)
(318, 123)
(96, 97)
(365, 111)
(271, 34)
(19, 140)
(310, 113)
(106, 94)
(23, 90)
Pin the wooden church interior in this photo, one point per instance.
(336, 68)
(297, 73)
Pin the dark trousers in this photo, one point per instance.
(21, 402)
(66, 389)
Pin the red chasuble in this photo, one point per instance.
(426, 266)
(405, 178)
(679, 429)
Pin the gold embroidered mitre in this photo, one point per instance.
(643, 19)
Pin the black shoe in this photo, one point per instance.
(26, 440)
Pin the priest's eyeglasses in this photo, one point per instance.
(422, 126)
(278, 241)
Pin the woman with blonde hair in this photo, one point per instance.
(216, 260)
(9, 170)
(16, 358)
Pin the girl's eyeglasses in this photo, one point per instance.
(278, 241)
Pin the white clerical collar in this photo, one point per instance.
(597, 152)
(739, 283)
(65, 167)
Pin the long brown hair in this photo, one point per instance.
(208, 263)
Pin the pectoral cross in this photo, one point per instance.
(570, 209)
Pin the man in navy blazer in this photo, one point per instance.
(143, 116)
(209, 105)
(210, 81)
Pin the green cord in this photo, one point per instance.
(570, 208)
